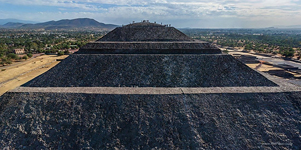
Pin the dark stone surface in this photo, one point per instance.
(149, 51)
(247, 59)
(208, 121)
(148, 46)
(150, 71)
(280, 73)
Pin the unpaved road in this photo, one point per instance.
(16, 75)
(276, 61)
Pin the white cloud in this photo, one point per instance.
(193, 13)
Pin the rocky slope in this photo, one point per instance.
(81, 70)
(197, 121)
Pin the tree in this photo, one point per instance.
(260, 49)
(29, 55)
(226, 51)
(8, 62)
(34, 46)
(3, 60)
(12, 56)
(288, 53)
(66, 52)
(25, 57)
(60, 53)
(47, 52)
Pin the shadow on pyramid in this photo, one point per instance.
(149, 86)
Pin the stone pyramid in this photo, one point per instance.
(145, 31)
(148, 86)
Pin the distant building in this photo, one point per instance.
(19, 51)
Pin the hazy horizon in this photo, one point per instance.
(180, 14)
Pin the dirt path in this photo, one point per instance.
(22, 62)
(263, 67)
(16, 75)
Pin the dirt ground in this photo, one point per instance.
(18, 74)
(263, 67)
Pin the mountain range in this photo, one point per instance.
(290, 27)
(4, 21)
(65, 24)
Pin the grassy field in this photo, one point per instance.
(18, 74)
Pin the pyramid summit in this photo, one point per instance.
(147, 38)
(153, 88)
(145, 31)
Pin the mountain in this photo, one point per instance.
(5, 21)
(12, 25)
(294, 26)
(290, 27)
(74, 24)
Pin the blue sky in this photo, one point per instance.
(179, 13)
